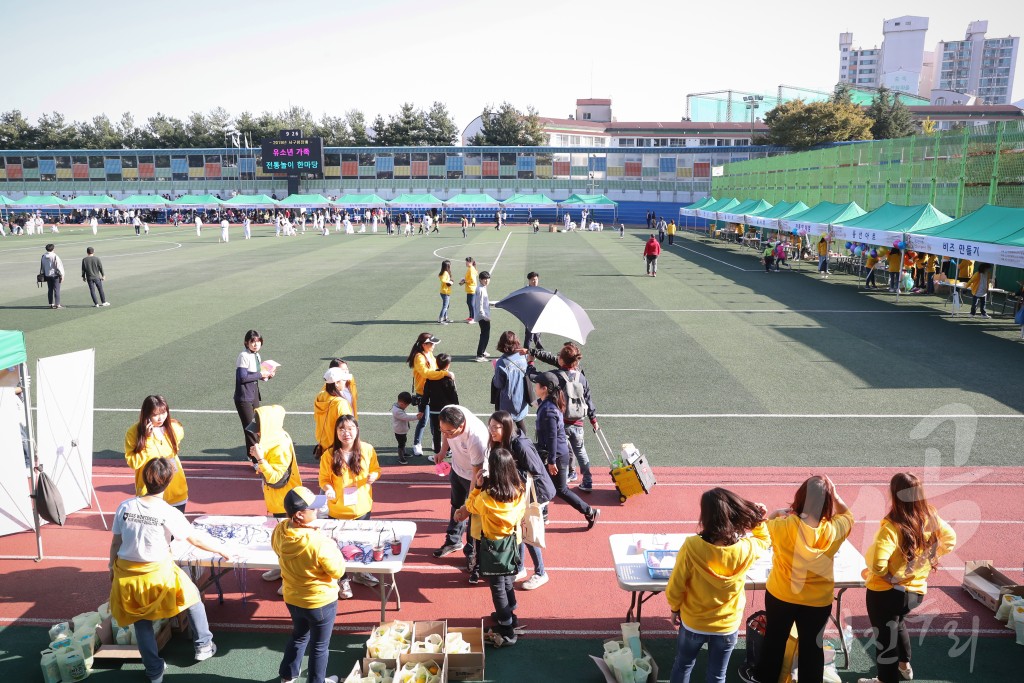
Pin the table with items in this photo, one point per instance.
(644, 563)
(247, 540)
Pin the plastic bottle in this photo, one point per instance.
(48, 663)
(86, 642)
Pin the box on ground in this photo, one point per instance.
(107, 647)
(468, 666)
(986, 584)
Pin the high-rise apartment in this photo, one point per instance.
(897, 64)
(978, 65)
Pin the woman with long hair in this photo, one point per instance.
(706, 590)
(347, 473)
(499, 500)
(910, 540)
(249, 372)
(348, 389)
(805, 539)
(552, 443)
(424, 367)
(157, 435)
(445, 276)
(328, 406)
(508, 386)
(506, 434)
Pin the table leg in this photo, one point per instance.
(632, 605)
(837, 620)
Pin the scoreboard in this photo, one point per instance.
(292, 153)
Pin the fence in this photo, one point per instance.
(957, 171)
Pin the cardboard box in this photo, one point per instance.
(422, 629)
(108, 649)
(986, 585)
(609, 677)
(423, 658)
(470, 666)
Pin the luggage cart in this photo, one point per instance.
(632, 477)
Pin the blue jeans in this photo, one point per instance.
(417, 434)
(456, 530)
(198, 627)
(503, 597)
(445, 299)
(470, 300)
(318, 623)
(535, 554)
(574, 435)
(690, 643)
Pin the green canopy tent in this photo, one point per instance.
(472, 201)
(598, 201)
(886, 224)
(311, 201)
(39, 202)
(690, 211)
(251, 201)
(769, 219)
(819, 218)
(18, 507)
(144, 201)
(991, 234)
(361, 200)
(198, 201)
(92, 202)
(710, 211)
(739, 213)
(4, 203)
(415, 201)
(529, 201)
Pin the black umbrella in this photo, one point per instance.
(542, 310)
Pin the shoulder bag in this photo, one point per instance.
(533, 520)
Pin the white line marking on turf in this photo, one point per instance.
(177, 245)
(749, 310)
(724, 263)
(500, 251)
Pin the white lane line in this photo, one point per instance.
(712, 258)
(671, 416)
(500, 252)
(753, 310)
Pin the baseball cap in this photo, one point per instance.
(547, 379)
(431, 340)
(300, 498)
(336, 375)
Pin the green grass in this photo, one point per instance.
(695, 348)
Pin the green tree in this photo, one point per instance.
(16, 132)
(407, 128)
(381, 132)
(356, 122)
(333, 130)
(99, 133)
(441, 130)
(163, 132)
(54, 132)
(509, 127)
(129, 135)
(891, 118)
(842, 94)
(799, 125)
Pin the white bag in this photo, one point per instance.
(533, 520)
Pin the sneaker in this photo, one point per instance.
(485, 354)
(521, 574)
(344, 589)
(417, 449)
(480, 359)
(470, 322)
(205, 652)
(573, 476)
(366, 579)
(403, 459)
(534, 582)
(443, 322)
(160, 678)
(592, 517)
(474, 576)
(908, 673)
(985, 315)
(331, 679)
(585, 487)
(447, 549)
(272, 575)
(280, 589)
(96, 305)
(746, 672)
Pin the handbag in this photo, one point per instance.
(499, 557)
(40, 278)
(533, 520)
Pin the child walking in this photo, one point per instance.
(400, 424)
(499, 501)
(705, 592)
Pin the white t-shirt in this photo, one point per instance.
(146, 529)
(249, 361)
(469, 449)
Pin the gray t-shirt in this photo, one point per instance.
(146, 529)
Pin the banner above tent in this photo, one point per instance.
(529, 201)
(738, 214)
(770, 219)
(711, 210)
(692, 209)
(817, 219)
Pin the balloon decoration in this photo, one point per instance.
(874, 253)
(902, 245)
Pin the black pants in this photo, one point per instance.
(401, 439)
(247, 413)
(886, 611)
(96, 286)
(53, 290)
(978, 300)
(435, 429)
(485, 336)
(503, 596)
(810, 626)
(562, 490)
(870, 280)
(456, 530)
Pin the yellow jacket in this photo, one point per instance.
(497, 520)
(326, 411)
(446, 282)
(894, 259)
(884, 558)
(975, 283)
(470, 280)
(964, 268)
(354, 493)
(930, 262)
(671, 228)
(424, 367)
(150, 590)
(311, 563)
(822, 248)
(279, 458)
(871, 262)
(707, 583)
(802, 558)
(176, 492)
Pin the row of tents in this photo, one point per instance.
(990, 234)
(262, 201)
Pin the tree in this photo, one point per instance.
(891, 118)
(381, 132)
(54, 132)
(509, 127)
(441, 130)
(99, 133)
(129, 135)
(842, 94)
(163, 132)
(799, 125)
(356, 122)
(15, 131)
(333, 130)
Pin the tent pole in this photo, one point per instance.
(33, 455)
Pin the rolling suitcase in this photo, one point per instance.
(631, 472)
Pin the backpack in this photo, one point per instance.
(575, 400)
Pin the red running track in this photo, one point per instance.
(582, 598)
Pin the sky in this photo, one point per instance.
(112, 56)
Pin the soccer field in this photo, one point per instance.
(714, 362)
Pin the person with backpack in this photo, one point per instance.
(578, 405)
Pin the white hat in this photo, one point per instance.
(336, 375)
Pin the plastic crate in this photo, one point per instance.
(663, 570)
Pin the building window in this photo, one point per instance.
(586, 116)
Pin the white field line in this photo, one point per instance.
(500, 252)
(712, 258)
(753, 310)
(671, 416)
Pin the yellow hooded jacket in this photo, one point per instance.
(707, 583)
(354, 493)
(497, 520)
(884, 558)
(424, 367)
(279, 458)
(176, 492)
(446, 282)
(311, 564)
(326, 411)
(802, 558)
(470, 280)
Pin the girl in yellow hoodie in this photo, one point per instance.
(499, 501)
(805, 538)
(906, 549)
(347, 473)
(328, 406)
(706, 590)
(157, 435)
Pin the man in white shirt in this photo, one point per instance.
(467, 437)
(224, 230)
(94, 224)
(199, 226)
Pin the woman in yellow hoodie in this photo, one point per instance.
(910, 540)
(499, 501)
(310, 565)
(706, 591)
(157, 435)
(328, 406)
(424, 367)
(445, 276)
(273, 457)
(805, 538)
(348, 470)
